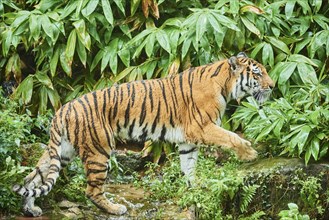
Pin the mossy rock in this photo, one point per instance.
(282, 181)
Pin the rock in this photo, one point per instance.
(285, 180)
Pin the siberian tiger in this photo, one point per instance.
(185, 109)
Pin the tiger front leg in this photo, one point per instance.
(213, 134)
(188, 155)
(96, 172)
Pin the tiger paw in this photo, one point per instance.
(246, 152)
(33, 211)
(118, 209)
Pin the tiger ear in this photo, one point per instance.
(233, 61)
(242, 54)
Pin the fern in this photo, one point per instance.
(247, 195)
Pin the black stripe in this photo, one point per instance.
(201, 72)
(163, 133)
(127, 115)
(163, 93)
(132, 98)
(217, 70)
(241, 82)
(95, 171)
(115, 101)
(131, 128)
(181, 87)
(142, 115)
(156, 120)
(143, 136)
(77, 127)
(187, 151)
(151, 95)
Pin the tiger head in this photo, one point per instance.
(250, 78)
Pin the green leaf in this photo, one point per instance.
(113, 55)
(70, 46)
(7, 35)
(150, 44)
(123, 74)
(268, 55)
(257, 49)
(90, 8)
(54, 98)
(225, 20)
(287, 70)
(289, 8)
(47, 26)
(278, 44)
(302, 44)
(35, 26)
(214, 23)
(163, 39)
(250, 26)
(107, 11)
(69, 8)
(96, 60)
(315, 147)
(43, 78)
(82, 53)
(25, 89)
(298, 58)
(120, 6)
(83, 36)
(302, 137)
(134, 5)
(307, 73)
(65, 63)
(43, 99)
(54, 62)
(124, 55)
(201, 26)
(234, 6)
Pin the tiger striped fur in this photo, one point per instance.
(185, 109)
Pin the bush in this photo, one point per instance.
(15, 130)
(297, 124)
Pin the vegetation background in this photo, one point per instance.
(54, 51)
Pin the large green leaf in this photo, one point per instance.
(70, 45)
(25, 89)
(201, 26)
(90, 8)
(278, 44)
(83, 35)
(107, 11)
(163, 39)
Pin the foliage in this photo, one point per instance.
(15, 131)
(297, 124)
(212, 190)
(11, 172)
(292, 213)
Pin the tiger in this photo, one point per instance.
(184, 109)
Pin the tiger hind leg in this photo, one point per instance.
(34, 180)
(188, 155)
(96, 172)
